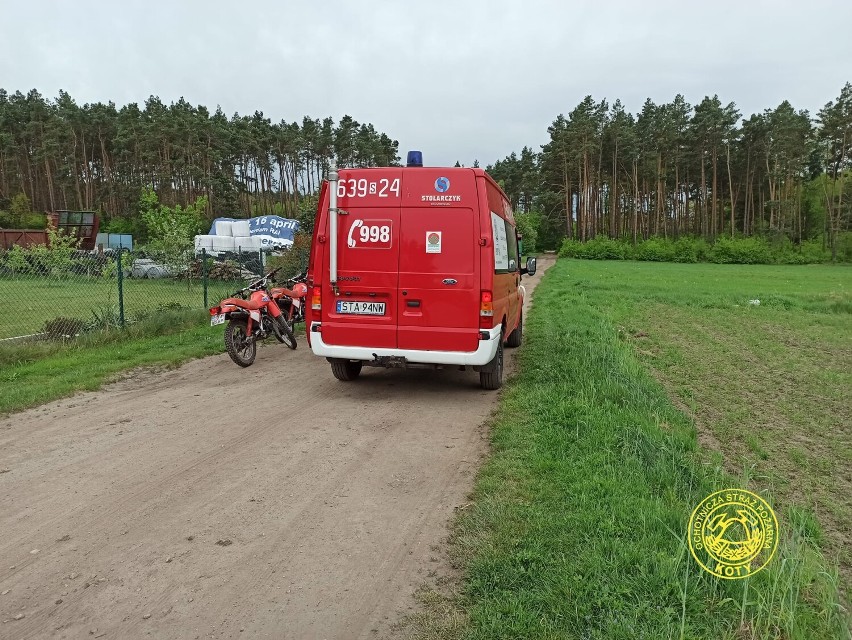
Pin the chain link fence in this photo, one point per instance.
(63, 293)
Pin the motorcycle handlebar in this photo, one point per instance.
(299, 277)
(258, 283)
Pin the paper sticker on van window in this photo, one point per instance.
(370, 234)
(433, 242)
(501, 245)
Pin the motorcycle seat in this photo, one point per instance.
(278, 292)
(243, 304)
(299, 290)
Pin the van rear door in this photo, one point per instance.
(438, 281)
(365, 311)
(439, 287)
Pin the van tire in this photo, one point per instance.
(493, 378)
(346, 370)
(516, 337)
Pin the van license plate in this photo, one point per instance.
(361, 308)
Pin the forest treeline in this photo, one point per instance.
(671, 170)
(98, 156)
(675, 169)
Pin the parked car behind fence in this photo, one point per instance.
(148, 268)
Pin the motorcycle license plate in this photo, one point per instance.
(219, 318)
(355, 307)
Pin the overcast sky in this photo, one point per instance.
(458, 79)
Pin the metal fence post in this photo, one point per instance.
(120, 290)
(260, 255)
(204, 273)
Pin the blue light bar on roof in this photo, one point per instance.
(415, 159)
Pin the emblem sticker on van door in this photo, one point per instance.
(433, 242)
(370, 234)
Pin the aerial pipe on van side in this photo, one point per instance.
(332, 224)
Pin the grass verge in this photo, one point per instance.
(32, 373)
(578, 520)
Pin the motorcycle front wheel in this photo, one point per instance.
(240, 346)
(284, 332)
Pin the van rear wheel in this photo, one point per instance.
(493, 378)
(515, 338)
(346, 370)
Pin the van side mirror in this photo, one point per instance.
(530, 268)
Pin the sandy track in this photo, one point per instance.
(211, 501)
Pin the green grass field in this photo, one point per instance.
(643, 388)
(38, 300)
(766, 385)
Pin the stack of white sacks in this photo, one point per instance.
(230, 236)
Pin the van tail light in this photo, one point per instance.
(316, 298)
(486, 310)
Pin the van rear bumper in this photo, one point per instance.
(482, 356)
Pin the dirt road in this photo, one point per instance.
(212, 501)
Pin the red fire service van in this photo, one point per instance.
(415, 266)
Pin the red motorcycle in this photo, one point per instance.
(292, 301)
(252, 314)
